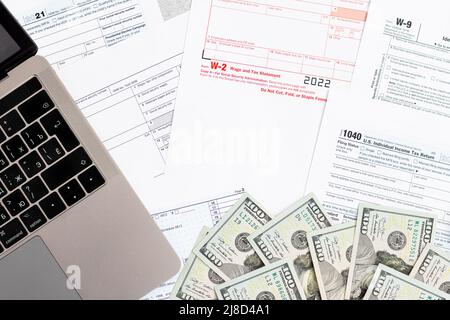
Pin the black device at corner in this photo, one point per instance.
(15, 44)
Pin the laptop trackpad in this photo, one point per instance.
(31, 272)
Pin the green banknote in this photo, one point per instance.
(388, 236)
(433, 268)
(285, 237)
(226, 249)
(331, 250)
(196, 281)
(389, 284)
(274, 282)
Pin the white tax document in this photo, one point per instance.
(254, 83)
(382, 141)
(404, 57)
(67, 31)
(120, 60)
(131, 104)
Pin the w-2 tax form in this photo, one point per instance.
(255, 80)
(385, 140)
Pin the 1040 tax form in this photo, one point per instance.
(255, 80)
(388, 143)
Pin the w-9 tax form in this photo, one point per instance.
(385, 140)
(255, 80)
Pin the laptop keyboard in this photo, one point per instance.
(44, 170)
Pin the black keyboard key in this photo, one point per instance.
(34, 135)
(51, 151)
(91, 179)
(3, 161)
(32, 164)
(14, 148)
(12, 123)
(35, 189)
(12, 177)
(33, 218)
(2, 136)
(71, 192)
(52, 205)
(36, 107)
(15, 202)
(66, 168)
(11, 233)
(19, 95)
(55, 124)
(3, 191)
(4, 216)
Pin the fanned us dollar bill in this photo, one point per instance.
(433, 269)
(285, 237)
(388, 236)
(274, 282)
(389, 284)
(226, 249)
(196, 281)
(331, 250)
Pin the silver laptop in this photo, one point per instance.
(71, 226)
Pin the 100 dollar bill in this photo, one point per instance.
(196, 281)
(433, 269)
(274, 282)
(285, 237)
(331, 250)
(226, 249)
(388, 236)
(389, 284)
